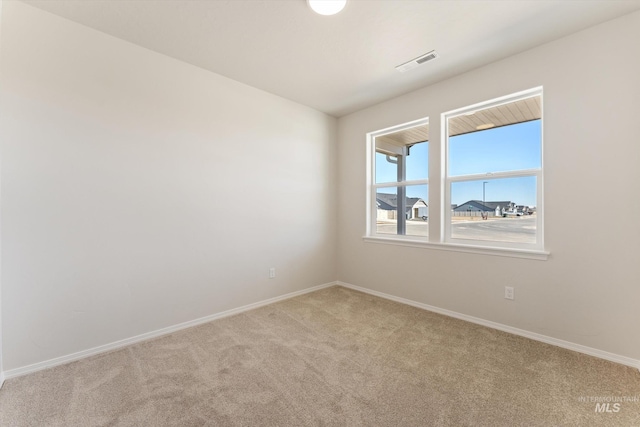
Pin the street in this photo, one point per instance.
(514, 229)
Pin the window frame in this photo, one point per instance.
(518, 173)
(373, 186)
(439, 205)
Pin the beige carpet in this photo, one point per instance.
(332, 357)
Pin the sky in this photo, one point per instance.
(500, 149)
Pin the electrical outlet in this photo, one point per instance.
(272, 273)
(509, 293)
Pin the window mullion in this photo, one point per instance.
(387, 185)
(495, 175)
(401, 184)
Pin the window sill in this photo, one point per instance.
(483, 250)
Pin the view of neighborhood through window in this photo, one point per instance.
(494, 165)
(401, 188)
(492, 178)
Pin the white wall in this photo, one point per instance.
(1, 370)
(139, 192)
(587, 291)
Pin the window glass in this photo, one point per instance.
(417, 210)
(386, 211)
(418, 161)
(499, 149)
(500, 210)
(386, 168)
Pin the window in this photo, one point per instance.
(400, 192)
(493, 173)
(490, 179)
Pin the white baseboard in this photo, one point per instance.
(149, 335)
(623, 360)
(154, 334)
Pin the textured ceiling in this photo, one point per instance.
(343, 63)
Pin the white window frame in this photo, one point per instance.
(440, 239)
(521, 173)
(373, 186)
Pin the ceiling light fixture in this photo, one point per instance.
(327, 7)
(485, 126)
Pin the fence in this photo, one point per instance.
(490, 214)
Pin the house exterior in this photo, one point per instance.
(478, 208)
(416, 208)
(419, 210)
(525, 210)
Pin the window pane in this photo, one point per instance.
(387, 211)
(499, 210)
(506, 148)
(386, 168)
(418, 161)
(417, 212)
(408, 146)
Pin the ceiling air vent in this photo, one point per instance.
(417, 61)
